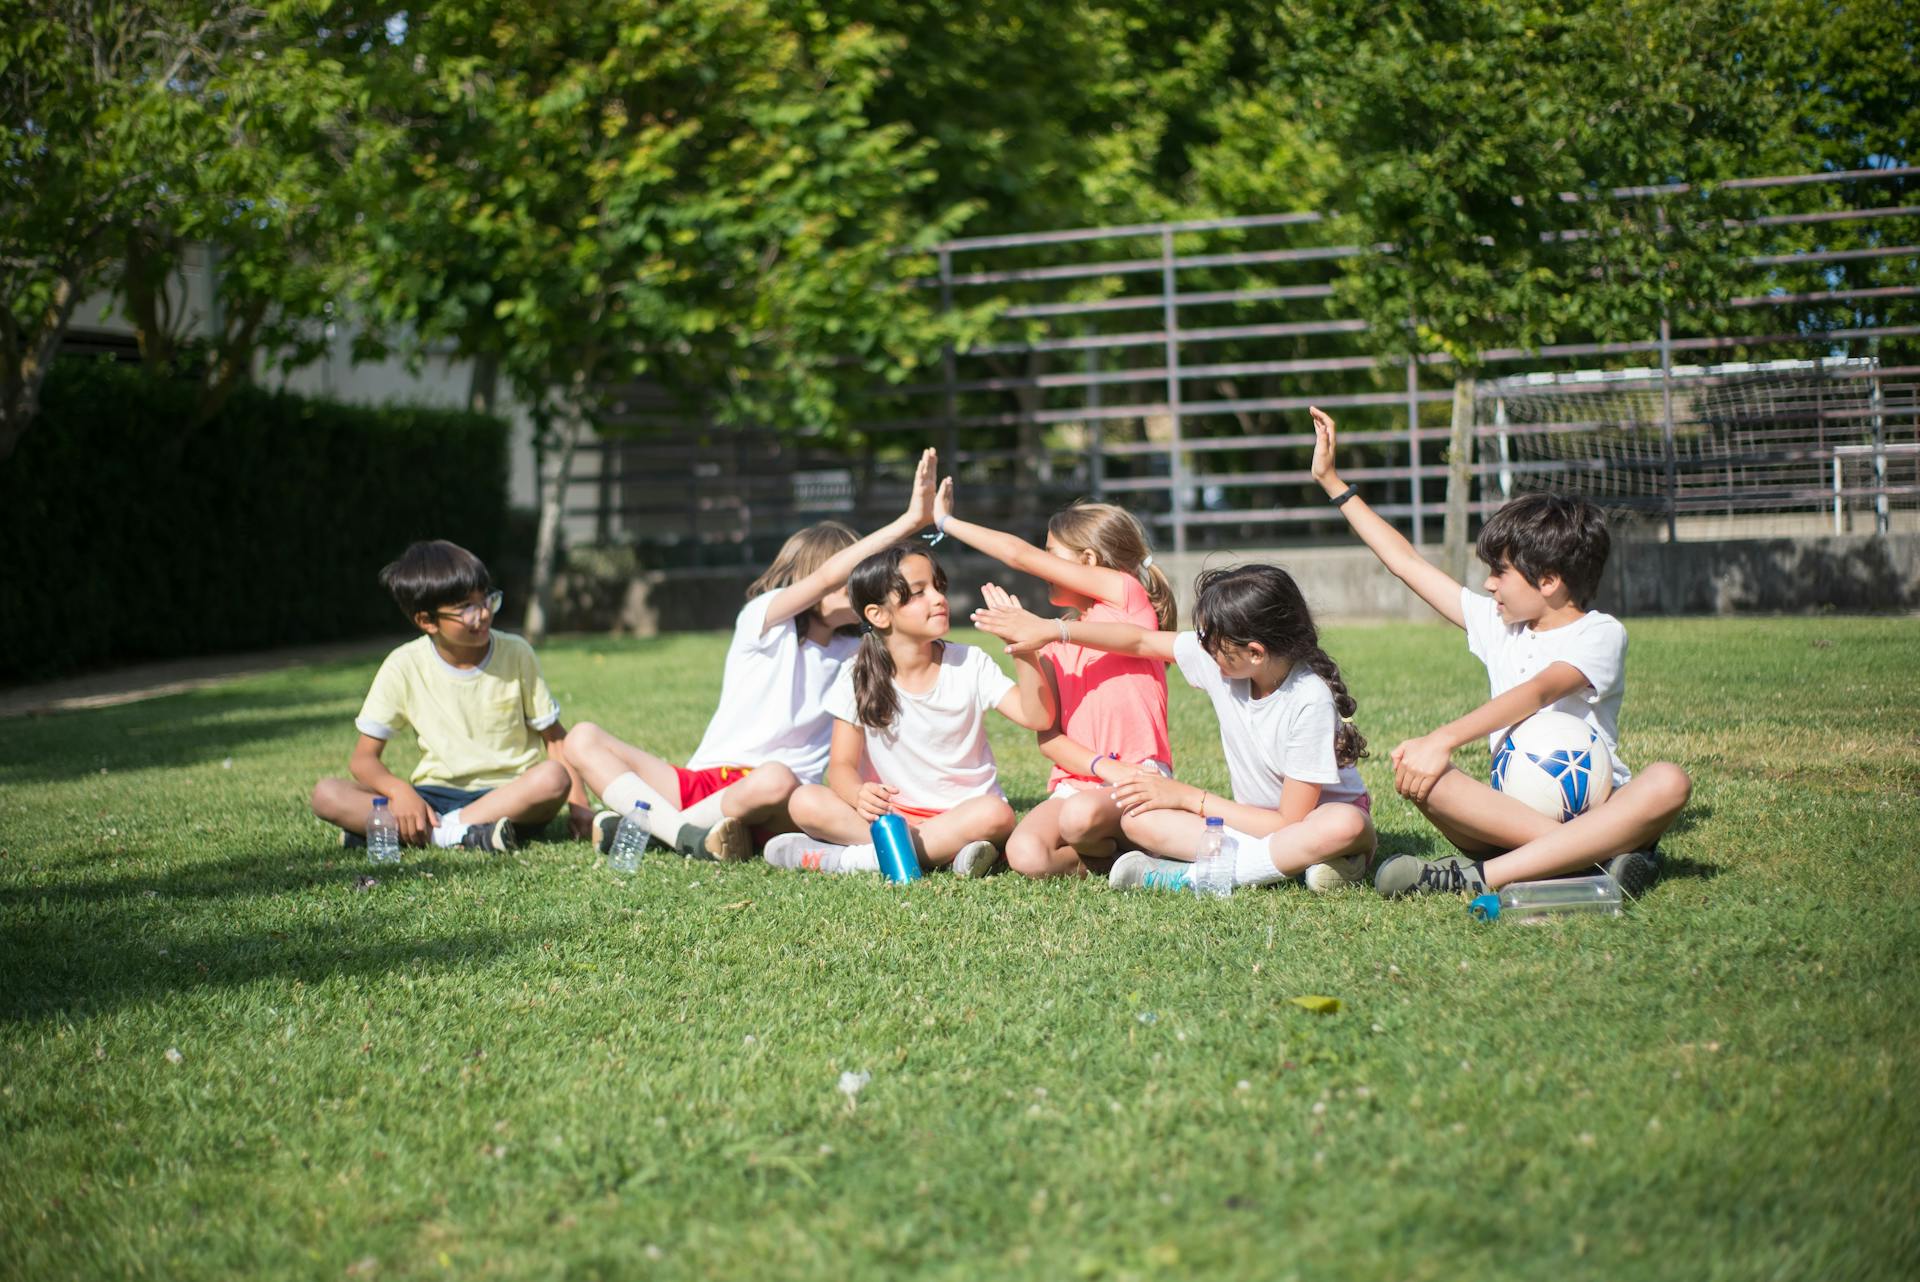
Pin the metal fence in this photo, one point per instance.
(1168, 366)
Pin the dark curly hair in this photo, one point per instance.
(1542, 534)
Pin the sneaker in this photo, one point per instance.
(495, 838)
(976, 859)
(605, 825)
(1635, 871)
(1337, 874)
(352, 840)
(1405, 875)
(1138, 869)
(727, 842)
(802, 853)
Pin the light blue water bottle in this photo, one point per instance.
(630, 839)
(1212, 875)
(893, 843)
(383, 834)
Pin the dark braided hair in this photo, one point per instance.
(878, 581)
(1262, 603)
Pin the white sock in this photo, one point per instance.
(629, 790)
(450, 829)
(860, 858)
(1252, 863)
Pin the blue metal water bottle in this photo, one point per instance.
(894, 844)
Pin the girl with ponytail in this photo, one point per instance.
(1113, 707)
(910, 733)
(1298, 806)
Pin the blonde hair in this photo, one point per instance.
(804, 552)
(1118, 541)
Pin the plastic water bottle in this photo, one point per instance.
(1212, 875)
(630, 839)
(383, 834)
(1532, 902)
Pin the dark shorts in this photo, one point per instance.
(443, 798)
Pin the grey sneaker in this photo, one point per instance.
(1452, 875)
(798, 851)
(1139, 870)
(976, 859)
(1337, 874)
(605, 825)
(1635, 871)
(496, 838)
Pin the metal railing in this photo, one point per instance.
(1168, 366)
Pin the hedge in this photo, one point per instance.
(126, 536)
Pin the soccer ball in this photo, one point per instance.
(1554, 762)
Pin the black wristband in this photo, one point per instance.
(1344, 495)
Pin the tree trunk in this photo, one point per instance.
(483, 384)
(553, 498)
(28, 358)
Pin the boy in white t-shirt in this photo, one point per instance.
(1543, 649)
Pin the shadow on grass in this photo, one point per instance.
(1687, 820)
(180, 730)
(60, 961)
(244, 876)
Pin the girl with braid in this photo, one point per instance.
(1298, 807)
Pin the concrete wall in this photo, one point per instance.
(1784, 575)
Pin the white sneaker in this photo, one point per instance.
(802, 853)
(1337, 874)
(976, 859)
(1138, 869)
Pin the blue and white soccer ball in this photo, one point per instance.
(1554, 762)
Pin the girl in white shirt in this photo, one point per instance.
(769, 734)
(910, 734)
(1298, 807)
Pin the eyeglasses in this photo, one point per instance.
(469, 614)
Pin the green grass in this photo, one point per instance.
(528, 1067)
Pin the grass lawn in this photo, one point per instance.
(221, 1057)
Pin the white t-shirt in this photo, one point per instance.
(772, 697)
(936, 751)
(1595, 644)
(1287, 735)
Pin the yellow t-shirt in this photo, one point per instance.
(478, 727)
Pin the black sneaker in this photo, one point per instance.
(1452, 875)
(1635, 871)
(352, 840)
(496, 838)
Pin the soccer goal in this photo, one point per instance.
(1790, 446)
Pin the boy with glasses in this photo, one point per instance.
(492, 749)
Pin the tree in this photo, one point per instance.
(685, 192)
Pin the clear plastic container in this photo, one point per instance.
(1212, 876)
(1530, 902)
(383, 834)
(630, 839)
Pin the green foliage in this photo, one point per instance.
(527, 1067)
(266, 528)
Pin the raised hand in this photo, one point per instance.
(1323, 441)
(1002, 616)
(943, 502)
(920, 499)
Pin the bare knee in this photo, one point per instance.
(1667, 785)
(586, 735)
(812, 804)
(331, 797)
(1085, 816)
(551, 780)
(1028, 855)
(1000, 821)
(771, 784)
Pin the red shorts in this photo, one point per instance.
(698, 785)
(915, 815)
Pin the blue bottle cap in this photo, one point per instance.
(379, 801)
(641, 805)
(1485, 907)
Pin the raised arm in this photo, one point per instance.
(1027, 633)
(808, 592)
(1429, 582)
(1031, 702)
(1099, 582)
